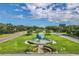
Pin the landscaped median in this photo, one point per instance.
(64, 46)
(16, 46)
(4, 35)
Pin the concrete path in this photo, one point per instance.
(40, 49)
(12, 36)
(68, 37)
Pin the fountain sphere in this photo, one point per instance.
(40, 35)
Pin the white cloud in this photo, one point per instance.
(40, 11)
(72, 5)
(41, 4)
(19, 16)
(24, 8)
(14, 4)
(18, 10)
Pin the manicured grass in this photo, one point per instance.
(64, 46)
(4, 35)
(16, 45)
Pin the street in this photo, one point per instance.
(12, 36)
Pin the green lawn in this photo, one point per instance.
(4, 35)
(64, 46)
(16, 45)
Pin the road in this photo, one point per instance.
(68, 37)
(12, 36)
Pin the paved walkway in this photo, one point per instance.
(40, 49)
(12, 36)
(68, 37)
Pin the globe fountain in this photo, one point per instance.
(40, 41)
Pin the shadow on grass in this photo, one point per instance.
(28, 34)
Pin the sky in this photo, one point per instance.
(39, 14)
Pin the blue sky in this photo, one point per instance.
(49, 14)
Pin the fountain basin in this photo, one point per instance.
(40, 42)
